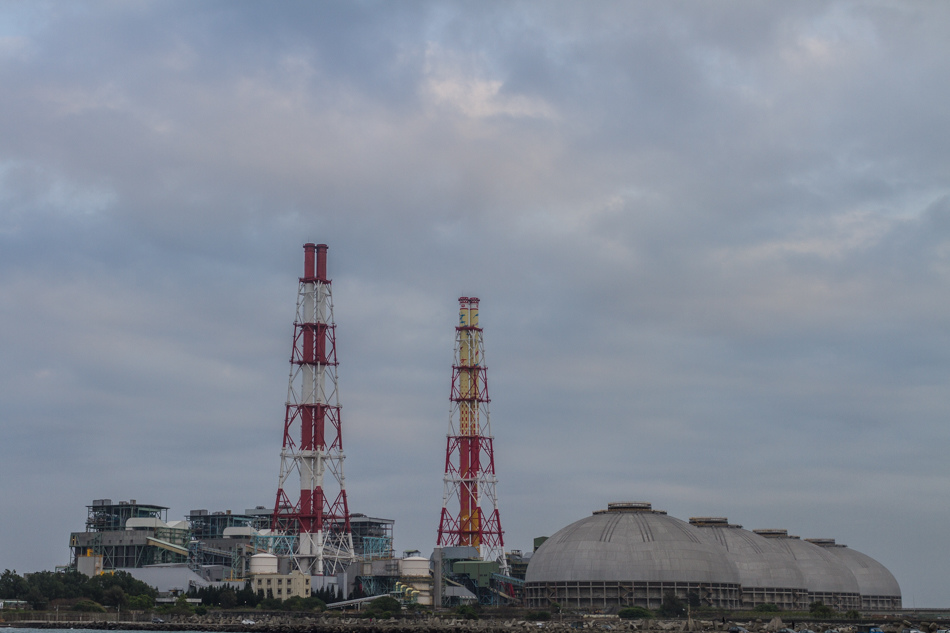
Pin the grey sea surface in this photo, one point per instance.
(18, 629)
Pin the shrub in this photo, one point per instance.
(820, 610)
(467, 611)
(672, 607)
(635, 613)
(270, 604)
(311, 603)
(385, 603)
(89, 606)
(538, 616)
(766, 607)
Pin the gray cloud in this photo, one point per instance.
(710, 242)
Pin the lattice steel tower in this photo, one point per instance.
(469, 456)
(312, 450)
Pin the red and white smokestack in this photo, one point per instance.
(312, 402)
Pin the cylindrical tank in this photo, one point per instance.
(263, 564)
(414, 566)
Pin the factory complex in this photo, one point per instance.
(309, 540)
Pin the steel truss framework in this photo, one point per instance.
(277, 544)
(835, 600)
(469, 479)
(784, 598)
(606, 594)
(313, 442)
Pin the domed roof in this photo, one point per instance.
(630, 542)
(760, 562)
(873, 578)
(823, 572)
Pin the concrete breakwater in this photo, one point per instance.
(317, 624)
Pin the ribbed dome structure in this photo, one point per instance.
(828, 579)
(633, 555)
(768, 573)
(630, 554)
(878, 587)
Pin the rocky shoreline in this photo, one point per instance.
(323, 624)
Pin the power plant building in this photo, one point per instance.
(127, 534)
(633, 555)
(626, 555)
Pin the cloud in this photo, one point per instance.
(447, 83)
(710, 243)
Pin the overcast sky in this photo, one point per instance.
(711, 242)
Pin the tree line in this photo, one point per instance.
(119, 589)
(42, 588)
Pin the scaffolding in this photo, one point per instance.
(372, 537)
(209, 525)
(105, 516)
(128, 534)
(277, 544)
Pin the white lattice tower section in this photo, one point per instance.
(312, 452)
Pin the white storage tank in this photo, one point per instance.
(414, 566)
(263, 564)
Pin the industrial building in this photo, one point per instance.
(127, 534)
(372, 537)
(633, 555)
(267, 581)
(626, 555)
(216, 545)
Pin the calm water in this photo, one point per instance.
(17, 629)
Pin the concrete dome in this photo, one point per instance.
(760, 562)
(875, 582)
(632, 555)
(631, 542)
(823, 572)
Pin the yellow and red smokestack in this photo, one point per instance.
(470, 462)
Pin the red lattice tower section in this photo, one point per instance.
(469, 456)
(315, 512)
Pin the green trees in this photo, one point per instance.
(228, 599)
(141, 602)
(40, 588)
(330, 594)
